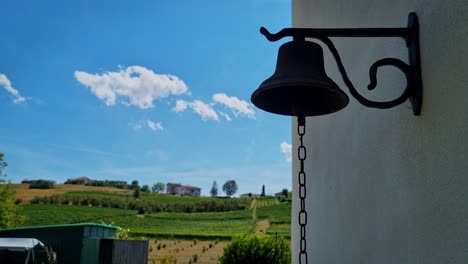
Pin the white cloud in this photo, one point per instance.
(286, 148)
(7, 85)
(181, 105)
(135, 85)
(226, 116)
(136, 126)
(237, 106)
(155, 126)
(200, 108)
(204, 110)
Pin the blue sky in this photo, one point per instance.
(157, 91)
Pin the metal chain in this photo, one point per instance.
(302, 154)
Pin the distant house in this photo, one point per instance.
(192, 191)
(80, 180)
(174, 188)
(179, 189)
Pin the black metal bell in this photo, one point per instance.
(300, 86)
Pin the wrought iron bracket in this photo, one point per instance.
(412, 70)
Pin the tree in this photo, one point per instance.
(9, 216)
(214, 190)
(41, 184)
(230, 187)
(3, 165)
(134, 185)
(137, 193)
(145, 188)
(263, 190)
(158, 187)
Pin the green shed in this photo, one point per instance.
(73, 243)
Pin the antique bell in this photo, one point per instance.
(300, 86)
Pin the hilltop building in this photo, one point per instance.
(80, 180)
(179, 189)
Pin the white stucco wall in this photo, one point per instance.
(385, 186)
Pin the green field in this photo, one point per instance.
(280, 219)
(188, 225)
(189, 228)
(277, 214)
(38, 214)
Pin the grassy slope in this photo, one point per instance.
(189, 225)
(208, 225)
(63, 214)
(279, 217)
(201, 225)
(278, 214)
(150, 226)
(25, 194)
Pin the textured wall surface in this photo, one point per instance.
(385, 186)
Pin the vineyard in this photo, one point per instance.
(149, 203)
(189, 229)
(154, 215)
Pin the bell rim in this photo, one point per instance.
(278, 81)
(324, 85)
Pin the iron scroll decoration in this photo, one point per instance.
(299, 92)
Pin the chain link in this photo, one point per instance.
(302, 155)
